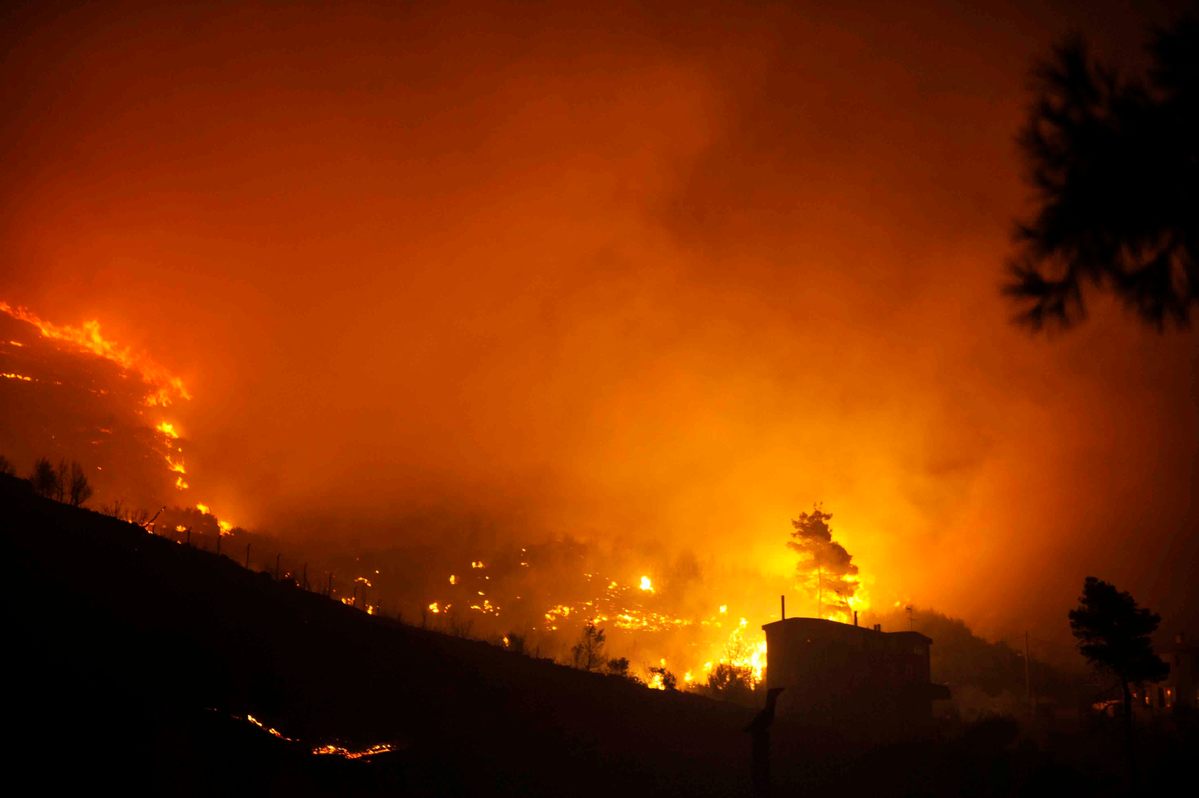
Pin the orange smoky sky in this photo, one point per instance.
(652, 272)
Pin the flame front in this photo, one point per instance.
(162, 389)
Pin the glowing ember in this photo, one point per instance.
(337, 750)
(629, 608)
(269, 730)
(328, 749)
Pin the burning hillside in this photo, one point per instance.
(83, 396)
(92, 399)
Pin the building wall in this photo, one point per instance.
(835, 672)
(1178, 689)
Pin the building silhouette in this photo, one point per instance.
(847, 675)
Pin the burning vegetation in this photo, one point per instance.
(673, 624)
(131, 395)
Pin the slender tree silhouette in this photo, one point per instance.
(45, 479)
(825, 568)
(1114, 164)
(79, 490)
(588, 653)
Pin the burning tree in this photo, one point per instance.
(731, 682)
(660, 678)
(825, 568)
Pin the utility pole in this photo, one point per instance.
(1028, 678)
(247, 556)
(277, 556)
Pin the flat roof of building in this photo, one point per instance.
(822, 625)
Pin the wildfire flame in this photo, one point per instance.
(328, 749)
(633, 608)
(88, 337)
(162, 387)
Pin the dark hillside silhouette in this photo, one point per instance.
(136, 652)
(135, 661)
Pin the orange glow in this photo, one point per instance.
(599, 276)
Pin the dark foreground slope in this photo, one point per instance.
(132, 663)
(134, 660)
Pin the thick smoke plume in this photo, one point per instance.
(645, 277)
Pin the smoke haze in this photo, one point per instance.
(663, 276)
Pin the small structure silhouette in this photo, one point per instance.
(846, 675)
(759, 729)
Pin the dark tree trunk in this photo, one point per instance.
(1129, 750)
(761, 762)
